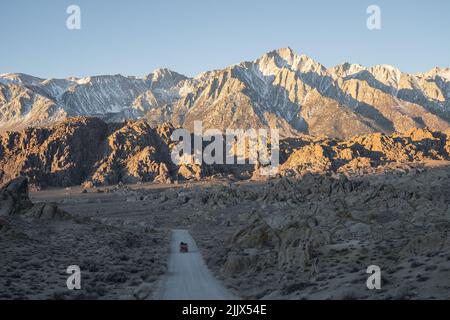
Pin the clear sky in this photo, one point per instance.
(134, 37)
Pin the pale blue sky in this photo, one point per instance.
(135, 37)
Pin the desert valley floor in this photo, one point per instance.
(290, 238)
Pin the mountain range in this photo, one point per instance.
(280, 89)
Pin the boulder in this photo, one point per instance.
(298, 242)
(239, 263)
(256, 235)
(14, 197)
(14, 200)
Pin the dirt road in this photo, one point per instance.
(188, 277)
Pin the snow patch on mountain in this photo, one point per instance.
(281, 87)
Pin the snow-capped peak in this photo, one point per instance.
(164, 78)
(274, 60)
(287, 54)
(20, 78)
(346, 69)
(279, 82)
(436, 71)
(84, 80)
(306, 64)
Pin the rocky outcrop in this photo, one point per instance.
(298, 243)
(14, 197)
(86, 151)
(314, 236)
(14, 200)
(47, 211)
(133, 153)
(367, 153)
(163, 174)
(91, 152)
(257, 234)
(61, 155)
(294, 242)
(187, 171)
(313, 158)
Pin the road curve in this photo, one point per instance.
(188, 277)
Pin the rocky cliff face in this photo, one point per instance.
(368, 154)
(134, 152)
(58, 156)
(82, 150)
(92, 152)
(280, 89)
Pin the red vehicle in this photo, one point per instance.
(183, 247)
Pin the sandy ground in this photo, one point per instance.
(188, 278)
(114, 261)
(255, 237)
(119, 258)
